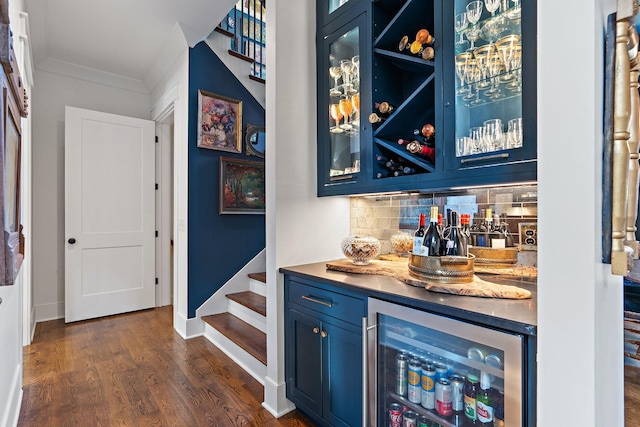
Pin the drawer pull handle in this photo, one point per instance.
(323, 334)
(491, 157)
(317, 301)
(316, 329)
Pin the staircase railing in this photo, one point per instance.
(246, 26)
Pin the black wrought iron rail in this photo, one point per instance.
(245, 25)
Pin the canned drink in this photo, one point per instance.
(428, 387)
(424, 421)
(443, 397)
(395, 415)
(410, 419)
(401, 374)
(441, 371)
(457, 393)
(414, 386)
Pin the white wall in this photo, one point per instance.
(300, 227)
(580, 380)
(52, 91)
(11, 360)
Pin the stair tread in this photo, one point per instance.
(250, 339)
(261, 277)
(251, 300)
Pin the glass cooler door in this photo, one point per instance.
(411, 350)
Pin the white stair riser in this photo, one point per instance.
(247, 315)
(258, 287)
(253, 366)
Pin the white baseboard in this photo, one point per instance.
(275, 398)
(11, 412)
(250, 364)
(188, 328)
(50, 311)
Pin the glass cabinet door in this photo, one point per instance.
(339, 103)
(492, 56)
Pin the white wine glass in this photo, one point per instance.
(335, 114)
(492, 6)
(474, 11)
(346, 108)
(461, 24)
(335, 73)
(347, 68)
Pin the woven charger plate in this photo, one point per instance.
(400, 271)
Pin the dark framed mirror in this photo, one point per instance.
(255, 141)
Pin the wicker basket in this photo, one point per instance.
(442, 269)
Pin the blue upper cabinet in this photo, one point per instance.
(443, 94)
(343, 88)
(491, 45)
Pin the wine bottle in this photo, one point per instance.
(376, 118)
(488, 226)
(427, 133)
(432, 239)
(454, 246)
(384, 108)
(382, 159)
(383, 175)
(464, 234)
(418, 236)
(415, 147)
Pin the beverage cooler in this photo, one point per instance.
(430, 370)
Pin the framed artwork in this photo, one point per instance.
(219, 122)
(241, 187)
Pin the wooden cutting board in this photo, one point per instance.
(400, 271)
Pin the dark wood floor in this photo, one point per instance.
(135, 370)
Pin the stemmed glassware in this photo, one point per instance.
(494, 134)
(346, 108)
(461, 25)
(495, 66)
(474, 11)
(516, 65)
(355, 103)
(482, 54)
(335, 73)
(462, 61)
(336, 114)
(347, 68)
(492, 6)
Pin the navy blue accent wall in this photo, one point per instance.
(219, 245)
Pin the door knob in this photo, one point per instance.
(316, 330)
(323, 334)
(71, 241)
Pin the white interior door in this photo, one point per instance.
(109, 214)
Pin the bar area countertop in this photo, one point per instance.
(515, 315)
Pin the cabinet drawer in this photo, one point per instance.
(344, 307)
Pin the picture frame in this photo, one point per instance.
(219, 122)
(254, 140)
(242, 187)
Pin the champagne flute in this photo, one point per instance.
(462, 60)
(346, 108)
(336, 114)
(335, 73)
(356, 68)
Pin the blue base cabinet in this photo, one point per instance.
(323, 341)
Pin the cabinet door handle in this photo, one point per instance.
(490, 157)
(316, 329)
(365, 370)
(323, 334)
(317, 301)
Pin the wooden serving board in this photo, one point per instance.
(400, 271)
